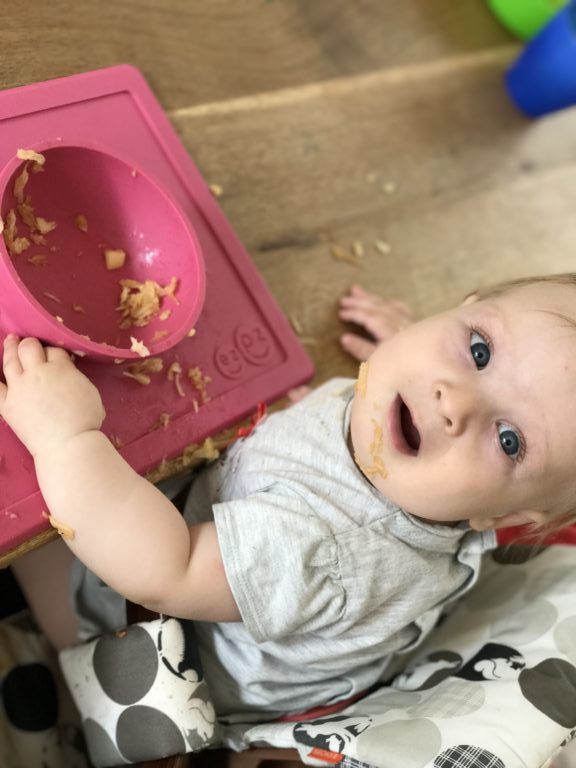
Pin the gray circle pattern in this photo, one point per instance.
(144, 731)
(495, 590)
(551, 687)
(565, 638)
(385, 702)
(557, 580)
(517, 554)
(101, 748)
(452, 698)
(527, 624)
(417, 740)
(126, 670)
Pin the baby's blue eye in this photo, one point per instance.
(480, 350)
(509, 440)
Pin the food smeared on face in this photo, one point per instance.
(376, 466)
(362, 380)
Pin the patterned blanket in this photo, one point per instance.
(494, 686)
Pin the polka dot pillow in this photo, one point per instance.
(140, 693)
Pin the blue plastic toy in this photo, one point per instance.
(543, 78)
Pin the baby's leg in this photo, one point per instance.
(44, 578)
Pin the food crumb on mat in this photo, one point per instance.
(81, 222)
(114, 258)
(30, 154)
(139, 347)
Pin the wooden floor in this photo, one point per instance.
(334, 122)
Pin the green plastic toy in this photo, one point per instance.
(525, 18)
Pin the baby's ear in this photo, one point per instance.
(470, 299)
(536, 517)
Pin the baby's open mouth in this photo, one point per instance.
(411, 434)
(404, 433)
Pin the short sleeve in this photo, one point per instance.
(281, 562)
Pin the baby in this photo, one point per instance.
(332, 538)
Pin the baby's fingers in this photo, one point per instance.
(10, 359)
(31, 353)
(57, 355)
(359, 348)
(360, 300)
(380, 325)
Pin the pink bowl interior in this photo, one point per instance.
(123, 209)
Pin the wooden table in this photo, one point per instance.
(339, 122)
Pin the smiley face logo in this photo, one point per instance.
(229, 361)
(254, 343)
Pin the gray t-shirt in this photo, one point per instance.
(330, 578)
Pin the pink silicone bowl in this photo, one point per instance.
(62, 291)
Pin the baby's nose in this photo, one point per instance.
(455, 406)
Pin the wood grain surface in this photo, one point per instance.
(194, 51)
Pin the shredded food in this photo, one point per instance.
(14, 243)
(38, 260)
(175, 375)
(37, 225)
(140, 371)
(199, 380)
(30, 154)
(139, 347)
(140, 302)
(162, 423)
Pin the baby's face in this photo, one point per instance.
(471, 414)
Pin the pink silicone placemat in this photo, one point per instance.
(243, 343)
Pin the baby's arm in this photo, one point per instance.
(381, 318)
(125, 530)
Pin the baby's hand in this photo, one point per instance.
(46, 400)
(380, 317)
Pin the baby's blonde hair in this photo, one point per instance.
(559, 517)
(492, 291)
